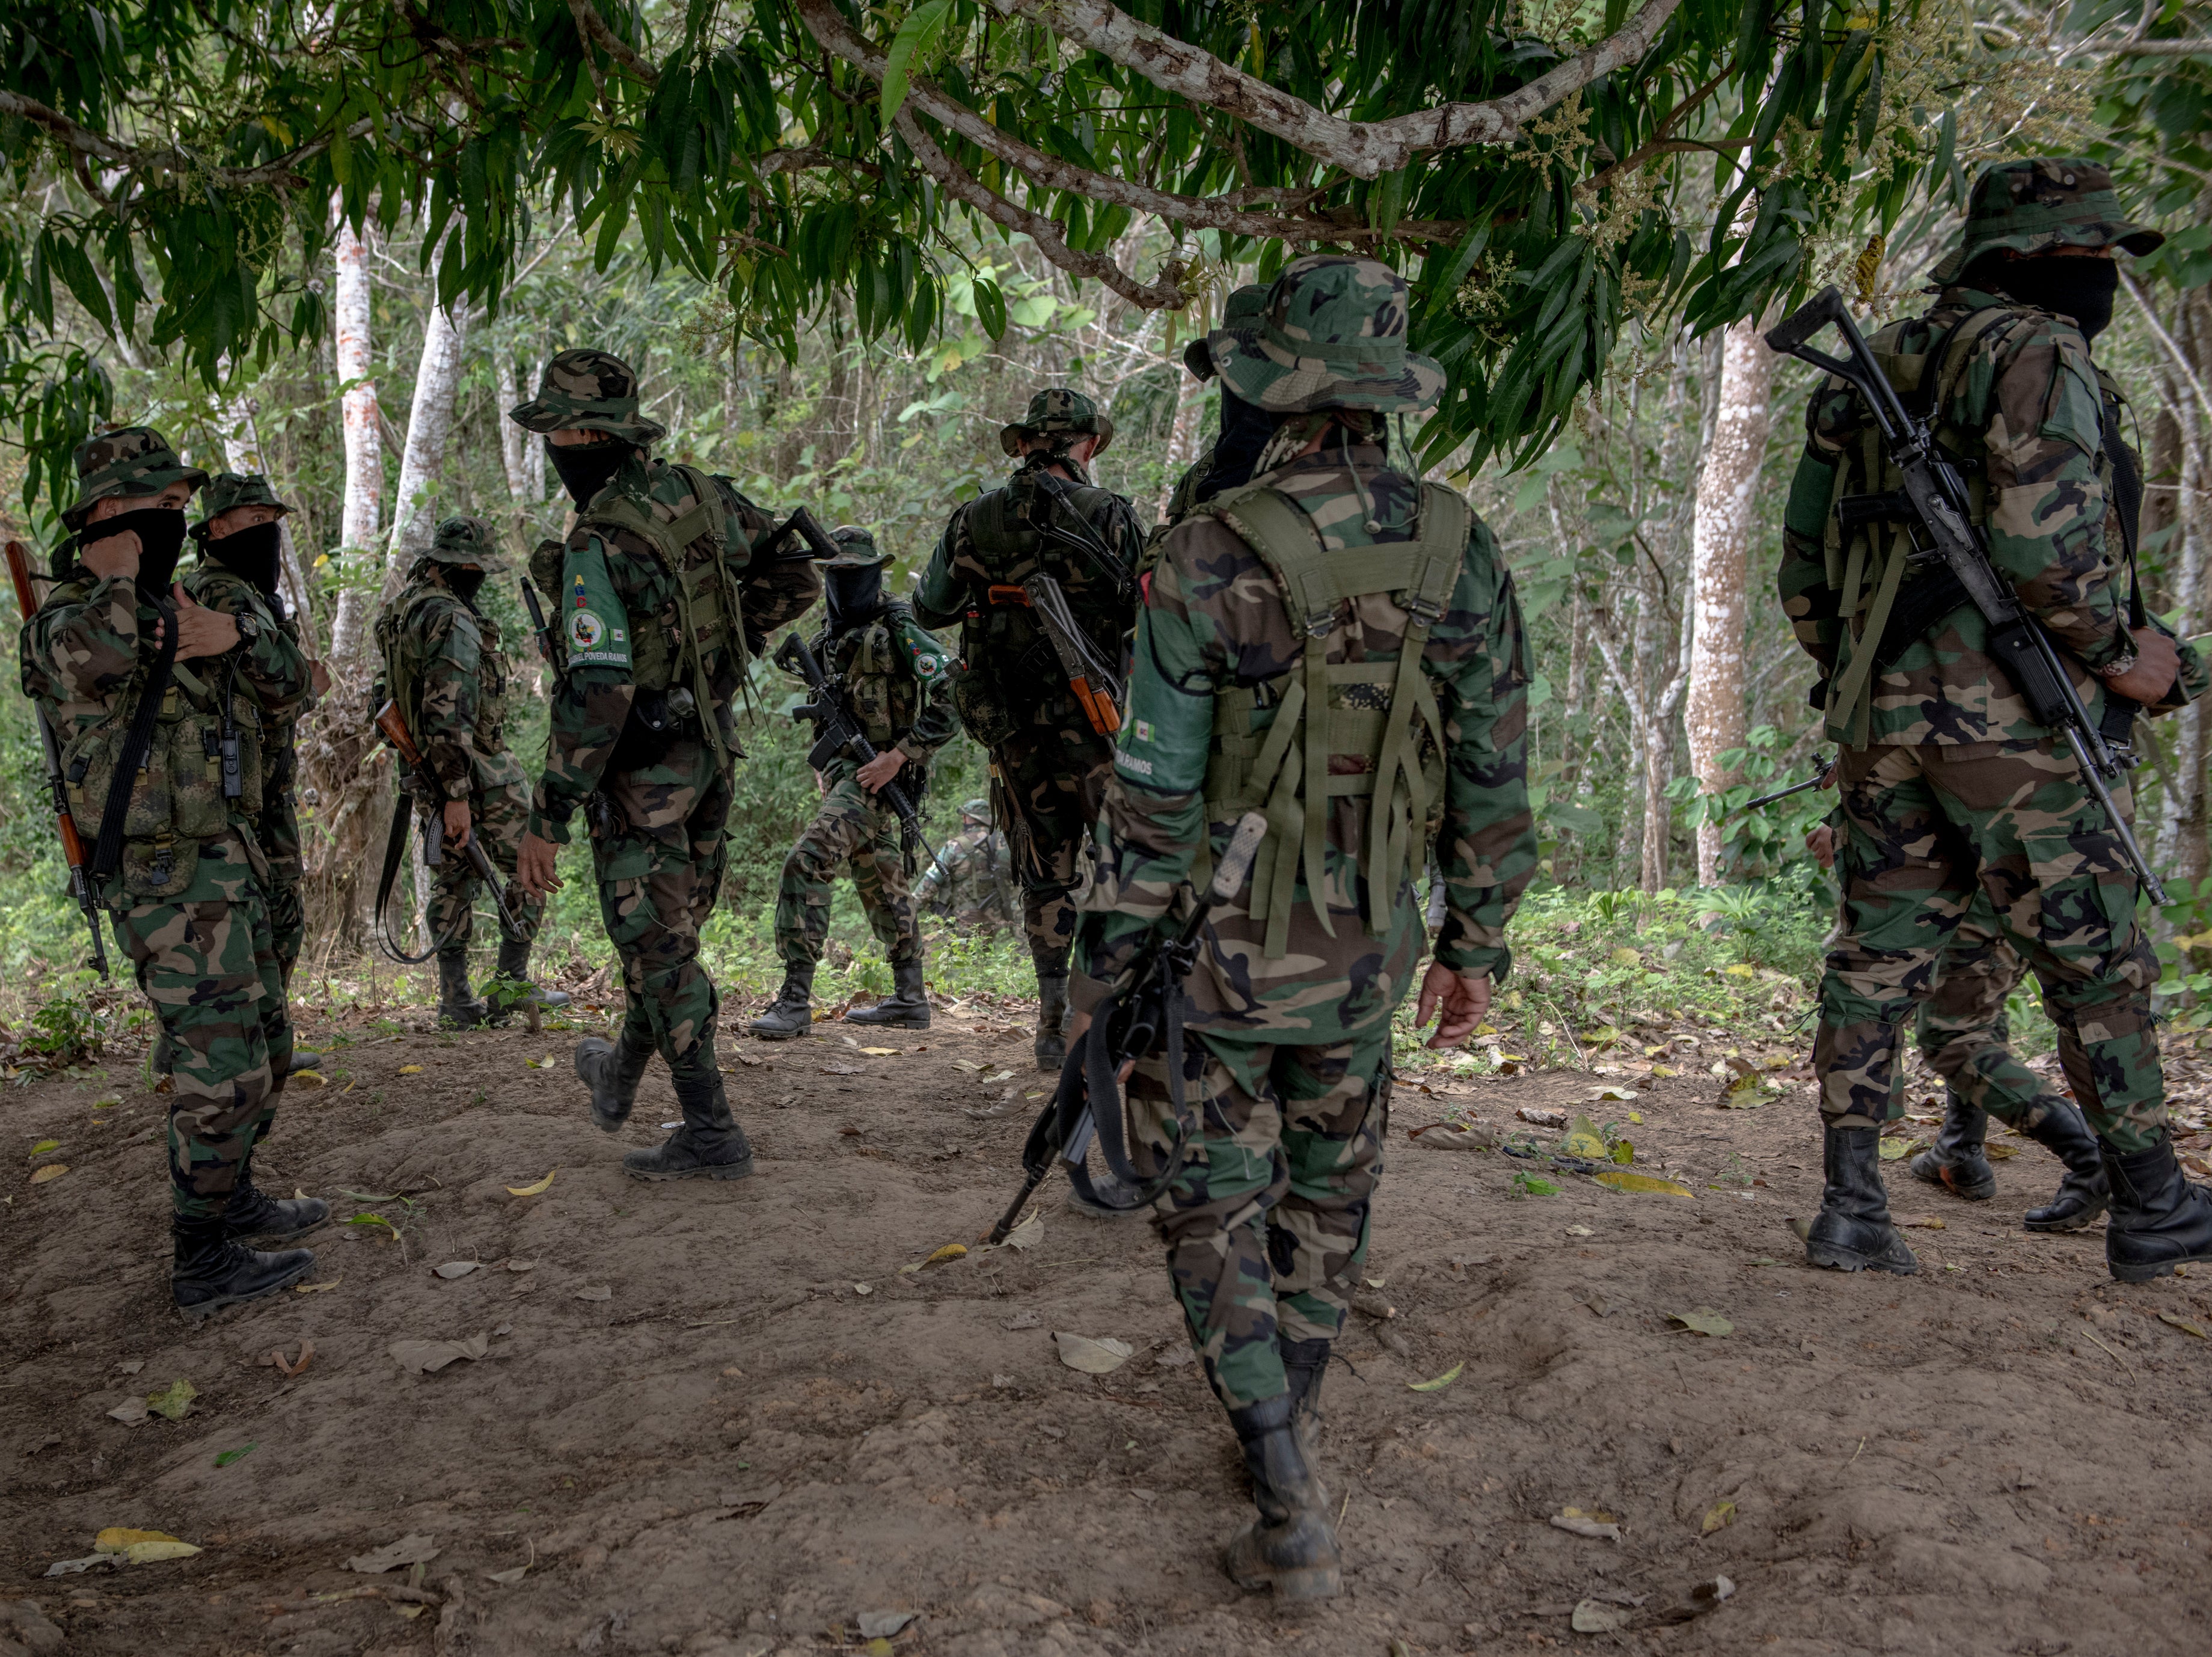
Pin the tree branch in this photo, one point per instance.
(596, 28)
(1365, 149)
(1166, 294)
(85, 141)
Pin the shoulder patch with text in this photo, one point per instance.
(593, 618)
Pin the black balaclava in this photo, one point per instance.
(2083, 289)
(855, 592)
(1245, 429)
(253, 552)
(161, 532)
(586, 468)
(464, 583)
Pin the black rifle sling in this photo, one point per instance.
(1083, 537)
(395, 850)
(1103, 1087)
(107, 850)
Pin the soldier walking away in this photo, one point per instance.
(660, 601)
(894, 680)
(1394, 676)
(1051, 748)
(159, 703)
(970, 881)
(446, 669)
(1950, 787)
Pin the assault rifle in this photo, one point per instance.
(1095, 687)
(1141, 1014)
(803, 524)
(393, 724)
(1934, 507)
(837, 733)
(1071, 530)
(80, 883)
(1824, 771)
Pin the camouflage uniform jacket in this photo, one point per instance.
(591, 704)
(970, 872)
(278, 826)
(896, 680)
(2022, 407)
(1003, 640)
(1215, 620)
(444, 663)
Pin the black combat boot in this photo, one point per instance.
(1052, 1019)
(611, 1071)
(792, 1012)
(305, 1059)
(456, 1006)
(511, 989)
(2159, 1220)
(1305, 1366)
(1852, 1231)
(2084, 1191)
(1956, 1161)
(212, 1270)
(252, 1212)
(907, 1008)
(710, 1146)
(1291, 1546)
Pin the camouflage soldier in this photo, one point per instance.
(659, 599)
(1049, 755)
(968, 881)
(1227, 463)
(1948, 784)
(1335, 622)
(159, 702)
(445, 669)
(895, 680)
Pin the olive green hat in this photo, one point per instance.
(129, 460)
(1240, 312)
(980, 810)
(590, 391)
(2033, 206)
(467, 541)
(1334, 337)
(227, 491)
(856, 549)
(1055, 410)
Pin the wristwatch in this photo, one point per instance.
(249, 625)
(2119, 664)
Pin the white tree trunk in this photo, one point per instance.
(514, 452)
(429, 428)
(1182, 440)
(1720, 540)
(357, 360)
(2182, 852)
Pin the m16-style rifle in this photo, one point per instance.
(73, 852)
(1824, 773)
(393, 724)
(837, 734)
(1141, 1014)
(1936, 508)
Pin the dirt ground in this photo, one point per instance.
(728, 1420)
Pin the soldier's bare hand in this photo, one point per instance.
(884, 769)
(200, 631)
(457, 822)
(1821, 843)
(1463, 997)
(2157, 661)
(318, 678)
(115, 558)
(533, 866)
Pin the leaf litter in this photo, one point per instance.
(1100, 1357)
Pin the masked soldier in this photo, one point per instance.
(1227, 463)
(159, 704)
(1050, 747)
(659, 600)
(893, 678)
(445, 668)
(1949, 786)
(1338, 646)
(969, 882)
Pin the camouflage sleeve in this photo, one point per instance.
(2046, 506)
(452, 661)
(936, 720)
(271, 665)
(939, 598)
(590, 706)
(84, 649)
(1486, 848)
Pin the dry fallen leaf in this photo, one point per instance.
(1028, 1235)
(175, 1400)
(429, 1356)
(1928, 1223)
(1596, 1616)
(141, 1547)
(51, 1171)
(415, 1549)
(410, 1070)
(507, 1578)
(45, 1145)
(1580, 1231)
(880, 1053)
(1620, 1179)
(1703, 1321)
(1594, 1523)
(1543, 1118)
(306, 1078)
(1442, 1135)
(453, 1269)
(950, 1252)
(132, 1412)
(1093, 1357)
(297, 1365)
(884, 1625)
(595, 1291)
(1719, 1516)
(315, 1288)
(2183, 1324)
(537, 1190)
(1441, 1382)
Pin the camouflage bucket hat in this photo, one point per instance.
(592, 391)
(1334, 337)
(856, 550)
(980, 810)
(227, 491)
(1240, 314)
(2033, 206)
(467, 541)
(1054, 410)
(129, 460)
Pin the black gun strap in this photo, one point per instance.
(395, 850)
(107, 850)
(2126, 503)
(1098, 1066)
(1085, 538)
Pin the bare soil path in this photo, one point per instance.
(721, 1420)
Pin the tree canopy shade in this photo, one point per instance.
(1543, 170)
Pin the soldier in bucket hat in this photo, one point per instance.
(1049, 751)
(169, 804)
(1378, 711)
(1950, 790)
(660, 601)
(1245, 426)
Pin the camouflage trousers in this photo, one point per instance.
(500, 813)
(1963, 1031)
(1926, 831)
(851, 827)
(658, 885)
(1267, 1223)
(278, 833)
(288, 924)
(206, 960)
(1053, 783)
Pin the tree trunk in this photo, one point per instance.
(241, 452)
(514, 447)
(429, 428)
(363, 427)
(1720, 542)
(1183, 439)
(2183, 855)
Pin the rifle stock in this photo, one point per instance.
(393, 724)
